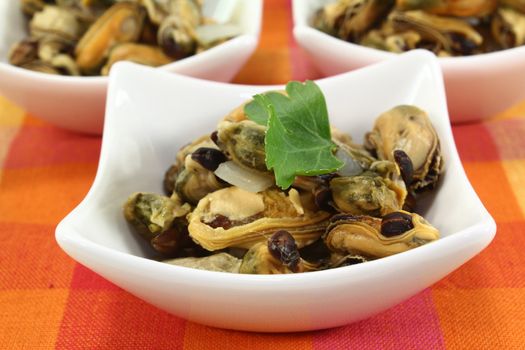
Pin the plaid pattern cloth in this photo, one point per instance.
(48, 301)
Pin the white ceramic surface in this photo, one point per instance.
(147, 123)
(478, 87)
(77, 103)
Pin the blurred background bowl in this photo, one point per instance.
(477, 86)
(77, 103)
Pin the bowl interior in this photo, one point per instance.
(147, 123)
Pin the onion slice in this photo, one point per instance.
(351, 167)
(210, 33)
(246, 179)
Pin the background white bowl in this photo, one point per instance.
(77, 103)
(477, 87)
(145, 127)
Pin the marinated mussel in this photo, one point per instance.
(373, 237)
(368, 193)
(276, 256)
(159, 220)
(243, 142)
(409, 129)
(232, 217)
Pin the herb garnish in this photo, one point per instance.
(298, 139)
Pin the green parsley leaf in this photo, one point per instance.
(298, 139)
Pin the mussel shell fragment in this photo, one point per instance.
(194, 182)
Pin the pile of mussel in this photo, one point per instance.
(223, 212)
(86, 37)
(446, 27)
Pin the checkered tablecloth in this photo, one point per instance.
(49, 301)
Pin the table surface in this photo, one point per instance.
(49, 301)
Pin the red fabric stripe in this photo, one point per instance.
(413, 324)
(475, 143)
(117, 320)
(85, 279)
(37, 146)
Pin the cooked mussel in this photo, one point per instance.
(442, 35)
(151, 214)
(243, 142)
(138, 53)
(276, 256)
(159, 220)
(57, 22)
(409, 129)
(460, 8)
(119, 24)
(194, 181)
(508, 27)
(232, 217)
(350, 19)
(221, 262)
(370, 193)
(375, 237)
(176, 37)
(192, 177)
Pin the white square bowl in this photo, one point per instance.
(151, 114)
(77, 103)
(478, 87)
